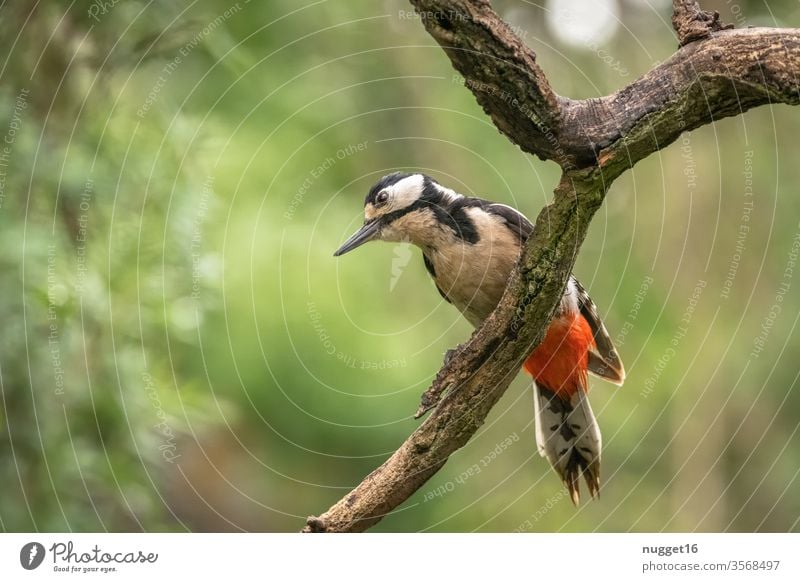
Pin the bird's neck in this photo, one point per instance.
(423, 230)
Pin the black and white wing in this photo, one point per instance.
(513, 219)
(604, 360)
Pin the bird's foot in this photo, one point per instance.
(451, 353)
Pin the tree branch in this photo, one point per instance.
(500, 69)
(724, 73)
(691, 23)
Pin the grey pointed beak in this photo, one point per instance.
(366, 233)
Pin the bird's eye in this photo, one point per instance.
(382, 197)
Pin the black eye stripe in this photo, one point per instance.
(456, 219)
(392, 216)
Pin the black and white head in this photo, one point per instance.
(401, 207)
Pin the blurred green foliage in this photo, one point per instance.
(181, 351)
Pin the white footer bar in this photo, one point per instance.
(450, 557)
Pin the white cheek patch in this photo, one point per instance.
(406, 192)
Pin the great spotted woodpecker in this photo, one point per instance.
(469, 247)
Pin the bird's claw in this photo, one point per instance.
(450, 354)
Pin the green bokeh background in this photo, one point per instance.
(180, 351)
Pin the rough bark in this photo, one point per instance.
(716, 73)
(691, 23)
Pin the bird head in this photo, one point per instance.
(400, 207)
